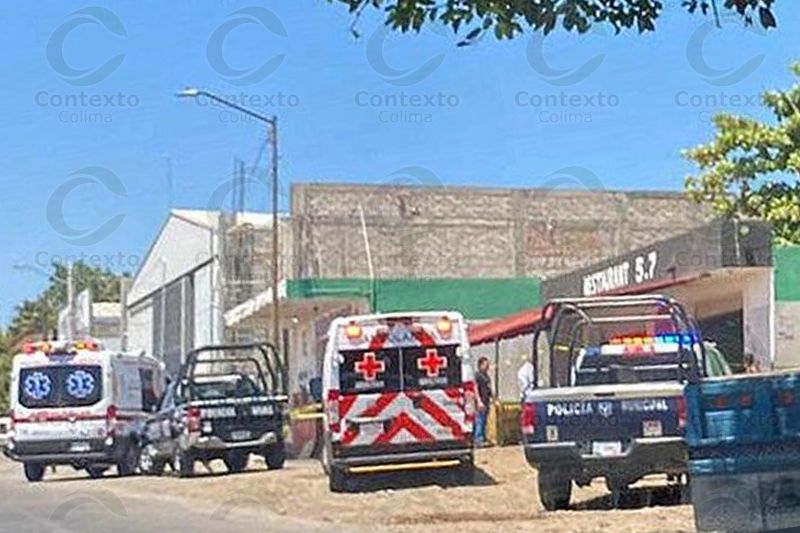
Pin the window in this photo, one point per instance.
(149, 396)
(60, 386)
(431, 368)
(364, 371)
(394, 369)
(168, 399)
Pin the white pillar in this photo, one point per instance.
(758, 311)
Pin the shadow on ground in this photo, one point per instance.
(444, 478)
(636, 498)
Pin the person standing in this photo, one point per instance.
(525, 378)
(484, 383)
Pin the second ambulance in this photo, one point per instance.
(399, 394)
(75, 403)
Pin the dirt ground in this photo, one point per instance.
(503, 499)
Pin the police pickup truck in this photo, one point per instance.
(228, 402)
(607, 398)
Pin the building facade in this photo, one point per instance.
(465, 232)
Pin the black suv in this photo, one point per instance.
(227, 403)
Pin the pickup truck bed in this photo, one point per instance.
(743, 439)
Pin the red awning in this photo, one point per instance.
(505, 328)
(524, 322)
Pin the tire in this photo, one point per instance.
(337, 479)
(236, 462)
(33, 472)
(555, 489)
(129, 463)
(182, 463)
(275, 456)
(148, 463)
(96, 472)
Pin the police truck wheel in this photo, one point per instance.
(235, 462)
(148, 463)
(182, 463)
(275, 456)
(555, 489)
(337, 479)
(33, 471)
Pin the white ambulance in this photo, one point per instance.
(399, 394)
(74, 403)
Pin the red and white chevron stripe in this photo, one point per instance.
(403, 417)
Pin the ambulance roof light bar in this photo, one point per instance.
(60, 347)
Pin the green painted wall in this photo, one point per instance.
(474, 298)
(787, 273)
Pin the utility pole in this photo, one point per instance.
(70, 303)
(273, 142)
(163, 311)
(371, 268)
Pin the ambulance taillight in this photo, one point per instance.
(332, 410)
(469, 401)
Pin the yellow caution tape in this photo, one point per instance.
(307, 416)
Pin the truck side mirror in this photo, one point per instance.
(315, 388)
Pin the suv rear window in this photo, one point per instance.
(396, 369)
(60, 386)
(225, 387)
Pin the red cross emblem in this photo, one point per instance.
(369, 367)
(432, 362)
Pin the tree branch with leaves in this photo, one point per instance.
(751, 169)
(510, 18)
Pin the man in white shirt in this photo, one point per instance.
(525, 378)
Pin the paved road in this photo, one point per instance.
(70, 502)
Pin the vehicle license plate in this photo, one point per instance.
(606, 449)
(240, 435)
(652, 428)
(79, 447)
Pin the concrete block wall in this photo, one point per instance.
(461, 232)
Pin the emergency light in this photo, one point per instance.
(444, 326)
(60, 348)
(644, 344)
(354, 331)
(668, 338)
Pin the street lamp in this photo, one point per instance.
(272, 123)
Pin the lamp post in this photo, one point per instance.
(272, 140)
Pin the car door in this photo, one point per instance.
(162, 425)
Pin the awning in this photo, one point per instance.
(247, 309)
(506, 327)
(524, 322)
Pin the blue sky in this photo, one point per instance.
(91, 126)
